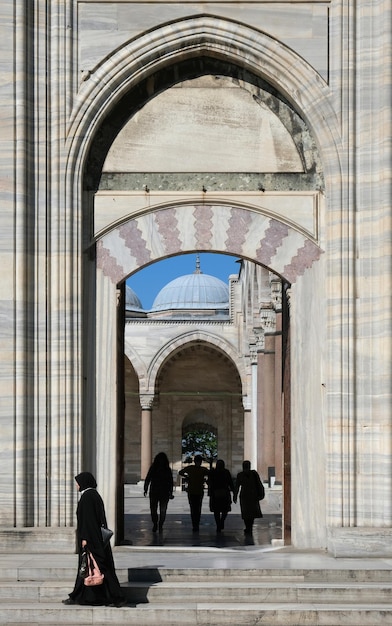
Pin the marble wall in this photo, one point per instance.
(65, 67)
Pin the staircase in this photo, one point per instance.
(31, 594)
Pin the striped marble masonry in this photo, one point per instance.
(106, 26)
(221, 228)
(66, 69)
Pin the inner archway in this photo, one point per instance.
(303, 263)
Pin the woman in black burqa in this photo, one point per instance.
(251, 489)
(90, 514)
(159, 480)
(220, 487)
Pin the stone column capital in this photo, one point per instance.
(146, 401)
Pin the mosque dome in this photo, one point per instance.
(193, 291)
(132, 302)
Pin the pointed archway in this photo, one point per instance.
(252, 230)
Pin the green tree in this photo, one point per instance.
(200, 441)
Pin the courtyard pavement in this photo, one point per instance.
(177, 530)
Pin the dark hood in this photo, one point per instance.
(85, 480)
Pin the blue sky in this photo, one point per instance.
(147, 283)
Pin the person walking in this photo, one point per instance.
(159, 483)
(220, 487)
(196, 476)
(251, 490)
(90, 515)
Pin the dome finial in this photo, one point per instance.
(197, 270)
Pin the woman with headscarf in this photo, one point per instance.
(251, 489)
(90, 514)
(160, 481)
(220, 487)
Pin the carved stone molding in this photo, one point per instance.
(260, 339)
(253, 353)
(146, 401)
(267, 319)
(276, 292)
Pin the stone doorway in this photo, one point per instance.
(279, 229)
(198, 387)
(143, 376)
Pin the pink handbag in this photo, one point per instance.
(94, 575)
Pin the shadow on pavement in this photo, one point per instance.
(177, 531)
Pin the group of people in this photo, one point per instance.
(91, 517)
(222, 491)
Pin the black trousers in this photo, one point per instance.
(155, 502)
(195, 504)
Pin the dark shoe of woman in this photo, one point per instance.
(68, 601)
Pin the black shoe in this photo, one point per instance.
(68, 601)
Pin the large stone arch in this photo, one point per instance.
(253, 234)
(104, 85)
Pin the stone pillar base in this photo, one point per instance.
(360, 542)
(38, 540)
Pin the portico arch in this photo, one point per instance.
(213, 388)
(184, 339)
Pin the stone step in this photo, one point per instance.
(32, 594)
(212, 591)
(159, 574)
(295, 592)
(164, 574)
(198, 614)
